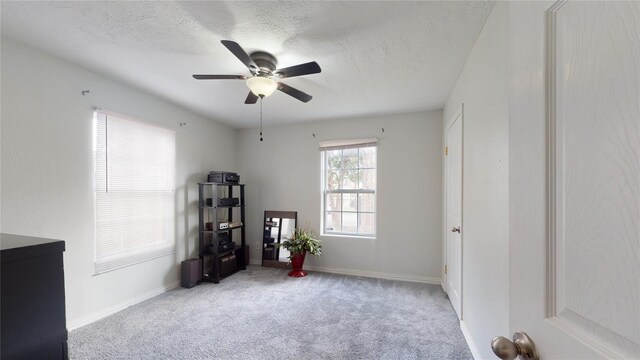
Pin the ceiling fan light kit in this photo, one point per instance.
(261, 86)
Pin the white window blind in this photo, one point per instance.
(349, 187)
(134, 191)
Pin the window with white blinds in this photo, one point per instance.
(134, 191)
(349, 187)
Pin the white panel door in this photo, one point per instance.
(454, 213)
(575, 177)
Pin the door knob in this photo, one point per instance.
(522, 346)
(455, 229)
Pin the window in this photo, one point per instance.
(134, 169)
(349, 187)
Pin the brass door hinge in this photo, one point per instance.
(445, 269)
(446, 150)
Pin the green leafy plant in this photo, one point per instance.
(302, 240)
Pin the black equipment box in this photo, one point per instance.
(223, 201)
(228, 201)
(226, 246)
(222, 247)
(228, 264)
(223, 177)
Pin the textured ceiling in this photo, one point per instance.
(376, 57)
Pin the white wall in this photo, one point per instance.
(47, 174)
(482, 87)
(283, 173)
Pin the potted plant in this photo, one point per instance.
(301, 243)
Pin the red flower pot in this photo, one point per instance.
(296, 265)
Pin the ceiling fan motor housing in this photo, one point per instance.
(265, 61)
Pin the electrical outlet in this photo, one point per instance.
(257, 245)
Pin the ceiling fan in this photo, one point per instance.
(264, 79)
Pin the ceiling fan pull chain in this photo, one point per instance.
(261, 118)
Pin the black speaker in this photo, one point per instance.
(191, 273)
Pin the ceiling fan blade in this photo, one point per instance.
(251, 98)
(304, 97)
(241, 55)
(298, 70)
(219, 77)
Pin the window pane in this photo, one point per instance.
(350, 159)
(333, 221)
(333, 202)
(334, 179)
(349, 222)
(334, 159)
(366, 223)
(349, 202)
(367, 179)
(349, 179)
(366, 202)
(367, 157)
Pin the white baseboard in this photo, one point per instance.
(364, 273)
(86, 320)
(470, 342)
(377, 275)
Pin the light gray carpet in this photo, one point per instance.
(261, 313)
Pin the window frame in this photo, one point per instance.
(328, 146)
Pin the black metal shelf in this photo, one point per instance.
(229, 229)
(221, 184)
(221, 230)
(217, 255)
(210, 193)
(221, 206)
(221, 254)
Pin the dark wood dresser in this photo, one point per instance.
(32, 317)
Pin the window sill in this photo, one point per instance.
(363, 237)
(133, 258)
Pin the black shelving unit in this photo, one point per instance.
(218, 262)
